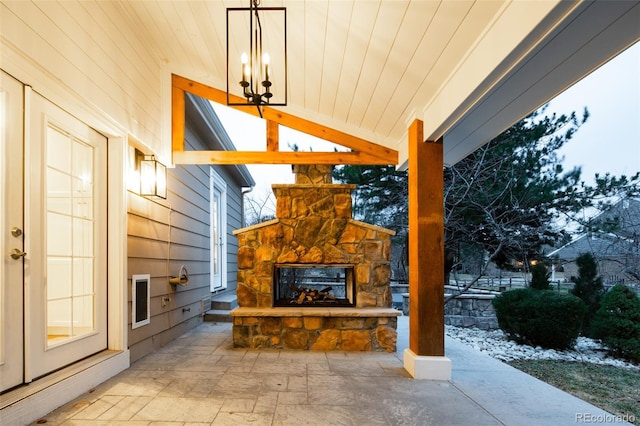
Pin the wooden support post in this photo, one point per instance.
(177, 119)
(425, 356)
(273, 136)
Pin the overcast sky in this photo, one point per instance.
(610, 139)
(608, 142)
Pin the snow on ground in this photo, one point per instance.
(495, 344)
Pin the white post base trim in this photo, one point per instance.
(427, 367)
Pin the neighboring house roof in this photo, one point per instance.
(622, 219)
(604, 245)
(617, 232)
(206, 121)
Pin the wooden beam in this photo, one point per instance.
(383, 154)
(273, 136)
(268, 157)
(211, 93)
(177, 119)
(314, 129)
(426, 244)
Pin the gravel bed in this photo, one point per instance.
(495, 344)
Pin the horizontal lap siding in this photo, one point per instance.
(165, 234)
(162, 236)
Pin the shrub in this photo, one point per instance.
(540, 317)
(617, 322)
(540, 277)
(588, 287)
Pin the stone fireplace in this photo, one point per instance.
(314, 278)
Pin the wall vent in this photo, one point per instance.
(140, 300)
(205, 304)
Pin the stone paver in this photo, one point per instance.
(214, 384)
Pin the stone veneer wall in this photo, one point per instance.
(313, 225)
(471, 310)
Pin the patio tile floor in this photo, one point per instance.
(199, 379)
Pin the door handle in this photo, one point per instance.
(17, 254)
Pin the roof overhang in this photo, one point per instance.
(573, 40)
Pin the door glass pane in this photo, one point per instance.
(70, 237)
(82, 237)
(59, 320)
(59, 271)
(82, 273)
(59, 191)
(58, 151)
(216, 233)
(59, 234)
(82, 180)
(82, 315)
(218, 211)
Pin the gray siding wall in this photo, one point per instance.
(165, 234)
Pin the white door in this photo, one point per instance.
(66, 234)
(53, 214)
(11, 242)
(218, 220)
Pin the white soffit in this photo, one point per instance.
(568, 45)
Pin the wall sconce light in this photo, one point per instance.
(153, 176)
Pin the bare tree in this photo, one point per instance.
(503, 203)
(259, 207)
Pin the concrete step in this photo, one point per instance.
(218, 315)
(224, 301)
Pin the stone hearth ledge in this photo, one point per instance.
(315, 312)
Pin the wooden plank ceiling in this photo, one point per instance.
(358, 67)
(368, 68)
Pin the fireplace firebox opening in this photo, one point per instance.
(303, 285)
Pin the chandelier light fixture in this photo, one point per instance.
(260, 73)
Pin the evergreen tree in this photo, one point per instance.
(381, 195)
(588, 287)
(617, 322)
(381, 198)
(540, 277)
(503, 202)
